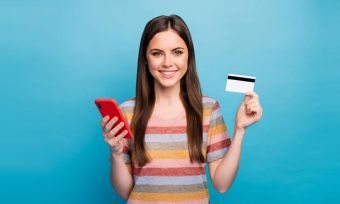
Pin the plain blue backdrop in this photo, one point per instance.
(56, 57)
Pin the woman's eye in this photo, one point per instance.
(178, 52)
(156, 54)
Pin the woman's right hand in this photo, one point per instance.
(110, 131)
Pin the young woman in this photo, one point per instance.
(177, 130)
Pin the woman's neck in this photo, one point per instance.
(167, 96)
(168, 103)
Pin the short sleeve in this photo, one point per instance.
(218, 137)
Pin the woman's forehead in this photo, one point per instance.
(166, 40)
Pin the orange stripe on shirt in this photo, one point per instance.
(168, 196)
(171, 130)
(187, 171)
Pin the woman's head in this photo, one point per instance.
(157, 51)
(167, 58)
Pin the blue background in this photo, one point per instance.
(58, 56)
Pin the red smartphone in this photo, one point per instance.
(110, 107)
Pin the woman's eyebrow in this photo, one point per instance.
(155, 49)
(159, 50)
(178, 48)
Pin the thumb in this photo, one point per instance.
(247, 98)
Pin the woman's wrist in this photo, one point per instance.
(239, 131)
(115, 154)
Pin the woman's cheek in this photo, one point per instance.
(153, 68)
(182, 61)
(182, 64)
(155, 64)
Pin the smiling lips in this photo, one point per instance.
(168, 73)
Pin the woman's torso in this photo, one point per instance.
(169, 176)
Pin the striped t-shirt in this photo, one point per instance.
(170, 177)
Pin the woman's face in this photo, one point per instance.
(167, 57)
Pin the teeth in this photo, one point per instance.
(167, 72)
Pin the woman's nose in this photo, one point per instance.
(167, 61)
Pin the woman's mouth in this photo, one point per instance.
(168, 74)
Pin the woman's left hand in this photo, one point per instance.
(250, 111)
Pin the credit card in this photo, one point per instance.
(240, 83)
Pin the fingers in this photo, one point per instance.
(252, 101)
(110, 124)
(255, 111)
(252, 94)
(116, 143)
(115, 130)
(104, 121)
(113, 140)
(119, 137)
(110, 133)
(253, 108)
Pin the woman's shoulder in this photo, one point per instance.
(210, 105)
(208, 102)
(127, 105)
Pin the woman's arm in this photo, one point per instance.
(223, 171)
(121, 177)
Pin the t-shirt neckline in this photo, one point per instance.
(182, 113)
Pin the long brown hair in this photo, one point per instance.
(190, 93)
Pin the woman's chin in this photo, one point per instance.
(168, 83)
